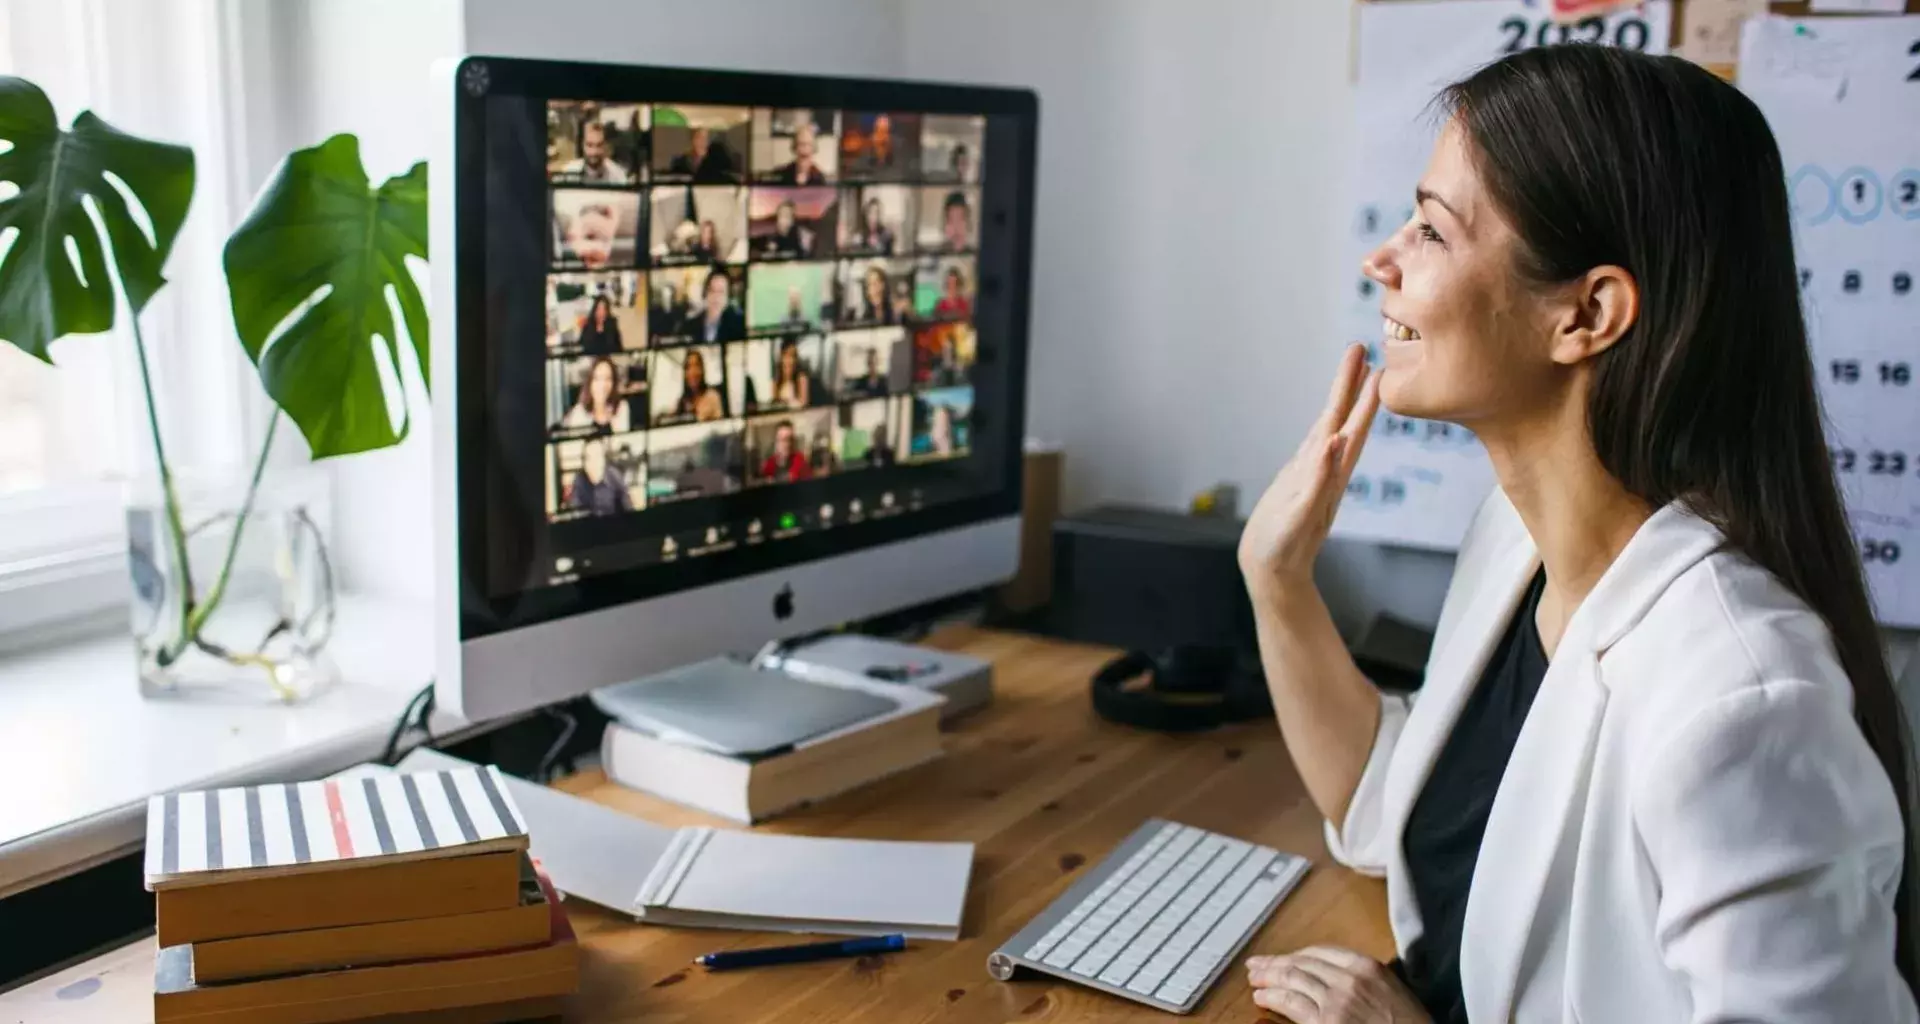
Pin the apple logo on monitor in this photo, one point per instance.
(783, 603)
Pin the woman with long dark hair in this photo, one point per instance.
(874, 286)
(874, 235)
(600, 333)
(792, 384)
(1657, 770)
(599, 405)
(698, 398)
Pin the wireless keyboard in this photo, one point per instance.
(1159, 918)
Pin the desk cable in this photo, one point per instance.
(416, 715)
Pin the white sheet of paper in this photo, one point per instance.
(1843, 98)
(1418, 483)
(1859, 6)
(897, 886)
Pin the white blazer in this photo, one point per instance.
(1692, 827)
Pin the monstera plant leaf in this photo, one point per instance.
(308, 273)
(43, 296)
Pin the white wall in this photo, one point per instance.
(849, 37)
(1183, 320)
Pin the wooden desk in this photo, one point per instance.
(1041, 785)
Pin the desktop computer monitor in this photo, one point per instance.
(718, 358)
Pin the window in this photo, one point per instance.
(55, 429)
(74, 439)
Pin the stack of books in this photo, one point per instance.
(750, 788)
(389, 896)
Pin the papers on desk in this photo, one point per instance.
(726, 879)
(722, 878)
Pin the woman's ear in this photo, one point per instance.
(1604, 303)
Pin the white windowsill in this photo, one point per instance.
(81, 750)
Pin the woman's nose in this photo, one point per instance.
(1381, 266)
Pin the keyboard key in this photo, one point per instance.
(1226, 935)
(1148, 979)
(1066, 954)
(1094, 962)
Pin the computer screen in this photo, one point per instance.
(713, 324)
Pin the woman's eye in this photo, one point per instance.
(1427, 233)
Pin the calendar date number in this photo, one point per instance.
(1853, 371)
(1874, 462)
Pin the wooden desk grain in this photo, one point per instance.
(1037, 782)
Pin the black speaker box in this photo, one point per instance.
(1149, 580)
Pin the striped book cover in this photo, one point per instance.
(222, 835)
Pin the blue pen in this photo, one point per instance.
(801, 954)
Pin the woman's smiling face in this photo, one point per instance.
(1464, 335)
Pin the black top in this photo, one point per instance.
(731, 326)
(600, 341)
(604, 498)
(1442, 838)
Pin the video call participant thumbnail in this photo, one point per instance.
(876, 220)
(596, 314)
(595, 229)
(789, 447)
(600, 476)
(943, 288)
(750, 376)
(595, 164)
(704, 224)
(789, 298)
(875, 293)
(796, 371)
(950, 148)
(688, 385)
(700, 460)
(717, 316)
(597, 144)
(943, 354)
(792, 223)
(680, 311)
(596, 394)
(871, 363)
(940, 423)
(776, 375)
(871, 434)
(795, 147)
(949, 219)
(701, 144)
(879, 146)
